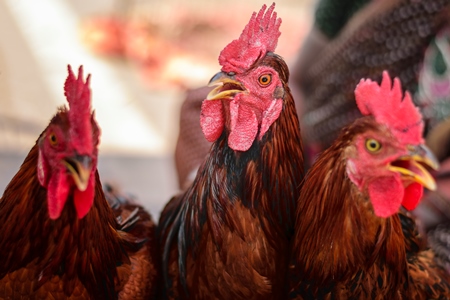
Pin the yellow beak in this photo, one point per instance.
(225, 87)
(412, 166)
(79, 167)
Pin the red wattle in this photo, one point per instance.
(244, 127)
(212, 119)
(413, 194)
(57, 193)
(83, 200)
(386, 194)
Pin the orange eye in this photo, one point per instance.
(265, 79)
(52, 138)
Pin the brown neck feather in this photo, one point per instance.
(277, 186)
(266, 179)
(88, 249)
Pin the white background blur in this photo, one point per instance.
(137, 107)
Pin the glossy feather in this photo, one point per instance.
(227, 236)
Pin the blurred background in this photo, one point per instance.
(142, 55)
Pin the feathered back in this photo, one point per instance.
(388, 107)
(78, 96)
(259, 36)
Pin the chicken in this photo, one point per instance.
(227, 235)
(358, 39)
(60, 238)
(350, 242)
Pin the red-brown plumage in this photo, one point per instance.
(227, 236)
(145, 277)
(68, 255)
(343, 246)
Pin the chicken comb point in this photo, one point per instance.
(259, 36)
(78, 95)
(386, 103)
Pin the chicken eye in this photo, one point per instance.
(52, 138)
(373, 145)
(265, 79)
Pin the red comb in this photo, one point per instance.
(385, 103)
(78, 95)
(259, 36)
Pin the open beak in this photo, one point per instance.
(413, 166)
(79, 166)
(225, 87)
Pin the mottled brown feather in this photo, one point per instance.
(144, 277)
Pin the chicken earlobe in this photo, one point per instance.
(270, 115)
